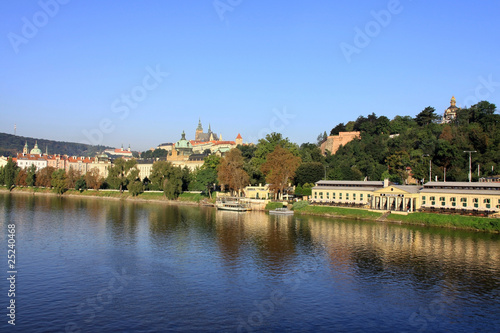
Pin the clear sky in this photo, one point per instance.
(141, 72)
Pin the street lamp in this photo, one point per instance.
(470, 162)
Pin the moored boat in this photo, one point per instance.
(281, 211)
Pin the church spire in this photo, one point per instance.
(199, 128)
(453, 101)
(209, 130)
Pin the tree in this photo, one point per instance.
(321, 138)
(93, 179)
(159, 173)
(10, 171)
(426, 116)
(173, 184)
(309, 172)
(44, 177)
(31, 175)
(58, 181)
(231, 173)
(122, 172)
(267, 145)
(135, 188)
(205, 180)
(337, 129)
(21, 178)
(71, 177)
(80, 184)
(279, 168)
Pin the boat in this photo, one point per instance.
(281, 211)
(232, 206)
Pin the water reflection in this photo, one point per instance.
(199, 265)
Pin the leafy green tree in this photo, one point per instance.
(173, 184)
(269, 143)
(136, 187)
(31, 175)
(10, 171)
(426, 116)
(205, 180)
(309, 172)
(122, 172)
(160, 172)
(80, 184)
(337, 129)
(58, 181)
(211, 162)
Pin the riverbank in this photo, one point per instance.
(423, 219)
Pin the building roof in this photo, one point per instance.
(462, 185)
(350, 183)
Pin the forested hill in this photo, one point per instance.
(388, 147)
(10, 145)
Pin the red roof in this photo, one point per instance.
(239, 136)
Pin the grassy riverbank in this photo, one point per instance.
(338, 212)
(449, 221)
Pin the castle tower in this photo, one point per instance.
(199, 130)
(239, 140)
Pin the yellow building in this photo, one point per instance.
(465, 196)
(257, 192)
(460, 197)
(345, 192)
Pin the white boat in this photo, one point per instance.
(232, 206)
(281, 211)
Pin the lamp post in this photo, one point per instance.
(470, 162)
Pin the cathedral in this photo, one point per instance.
(205, 137)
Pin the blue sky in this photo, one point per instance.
(141, 72)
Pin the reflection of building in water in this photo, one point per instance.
(394, 244)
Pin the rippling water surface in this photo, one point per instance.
(88, 265)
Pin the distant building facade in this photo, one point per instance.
(333, 142)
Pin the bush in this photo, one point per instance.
(273, 205)
(300, 204)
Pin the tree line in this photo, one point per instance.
(393, 149)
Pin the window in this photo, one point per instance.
(369, 196)
(333, 196)
(433, 200)
(453, 201)
(347, 196)
(476, 202)
(328, 195)
(487, 202)
(315, 195)
(340, 196)
(354, 196)
(423, 197)
(321, 195)
(361, 197)
(442, 199)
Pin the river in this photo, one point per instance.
(92, 265)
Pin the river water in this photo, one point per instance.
(91, 265)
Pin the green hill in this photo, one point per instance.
(10, 145)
